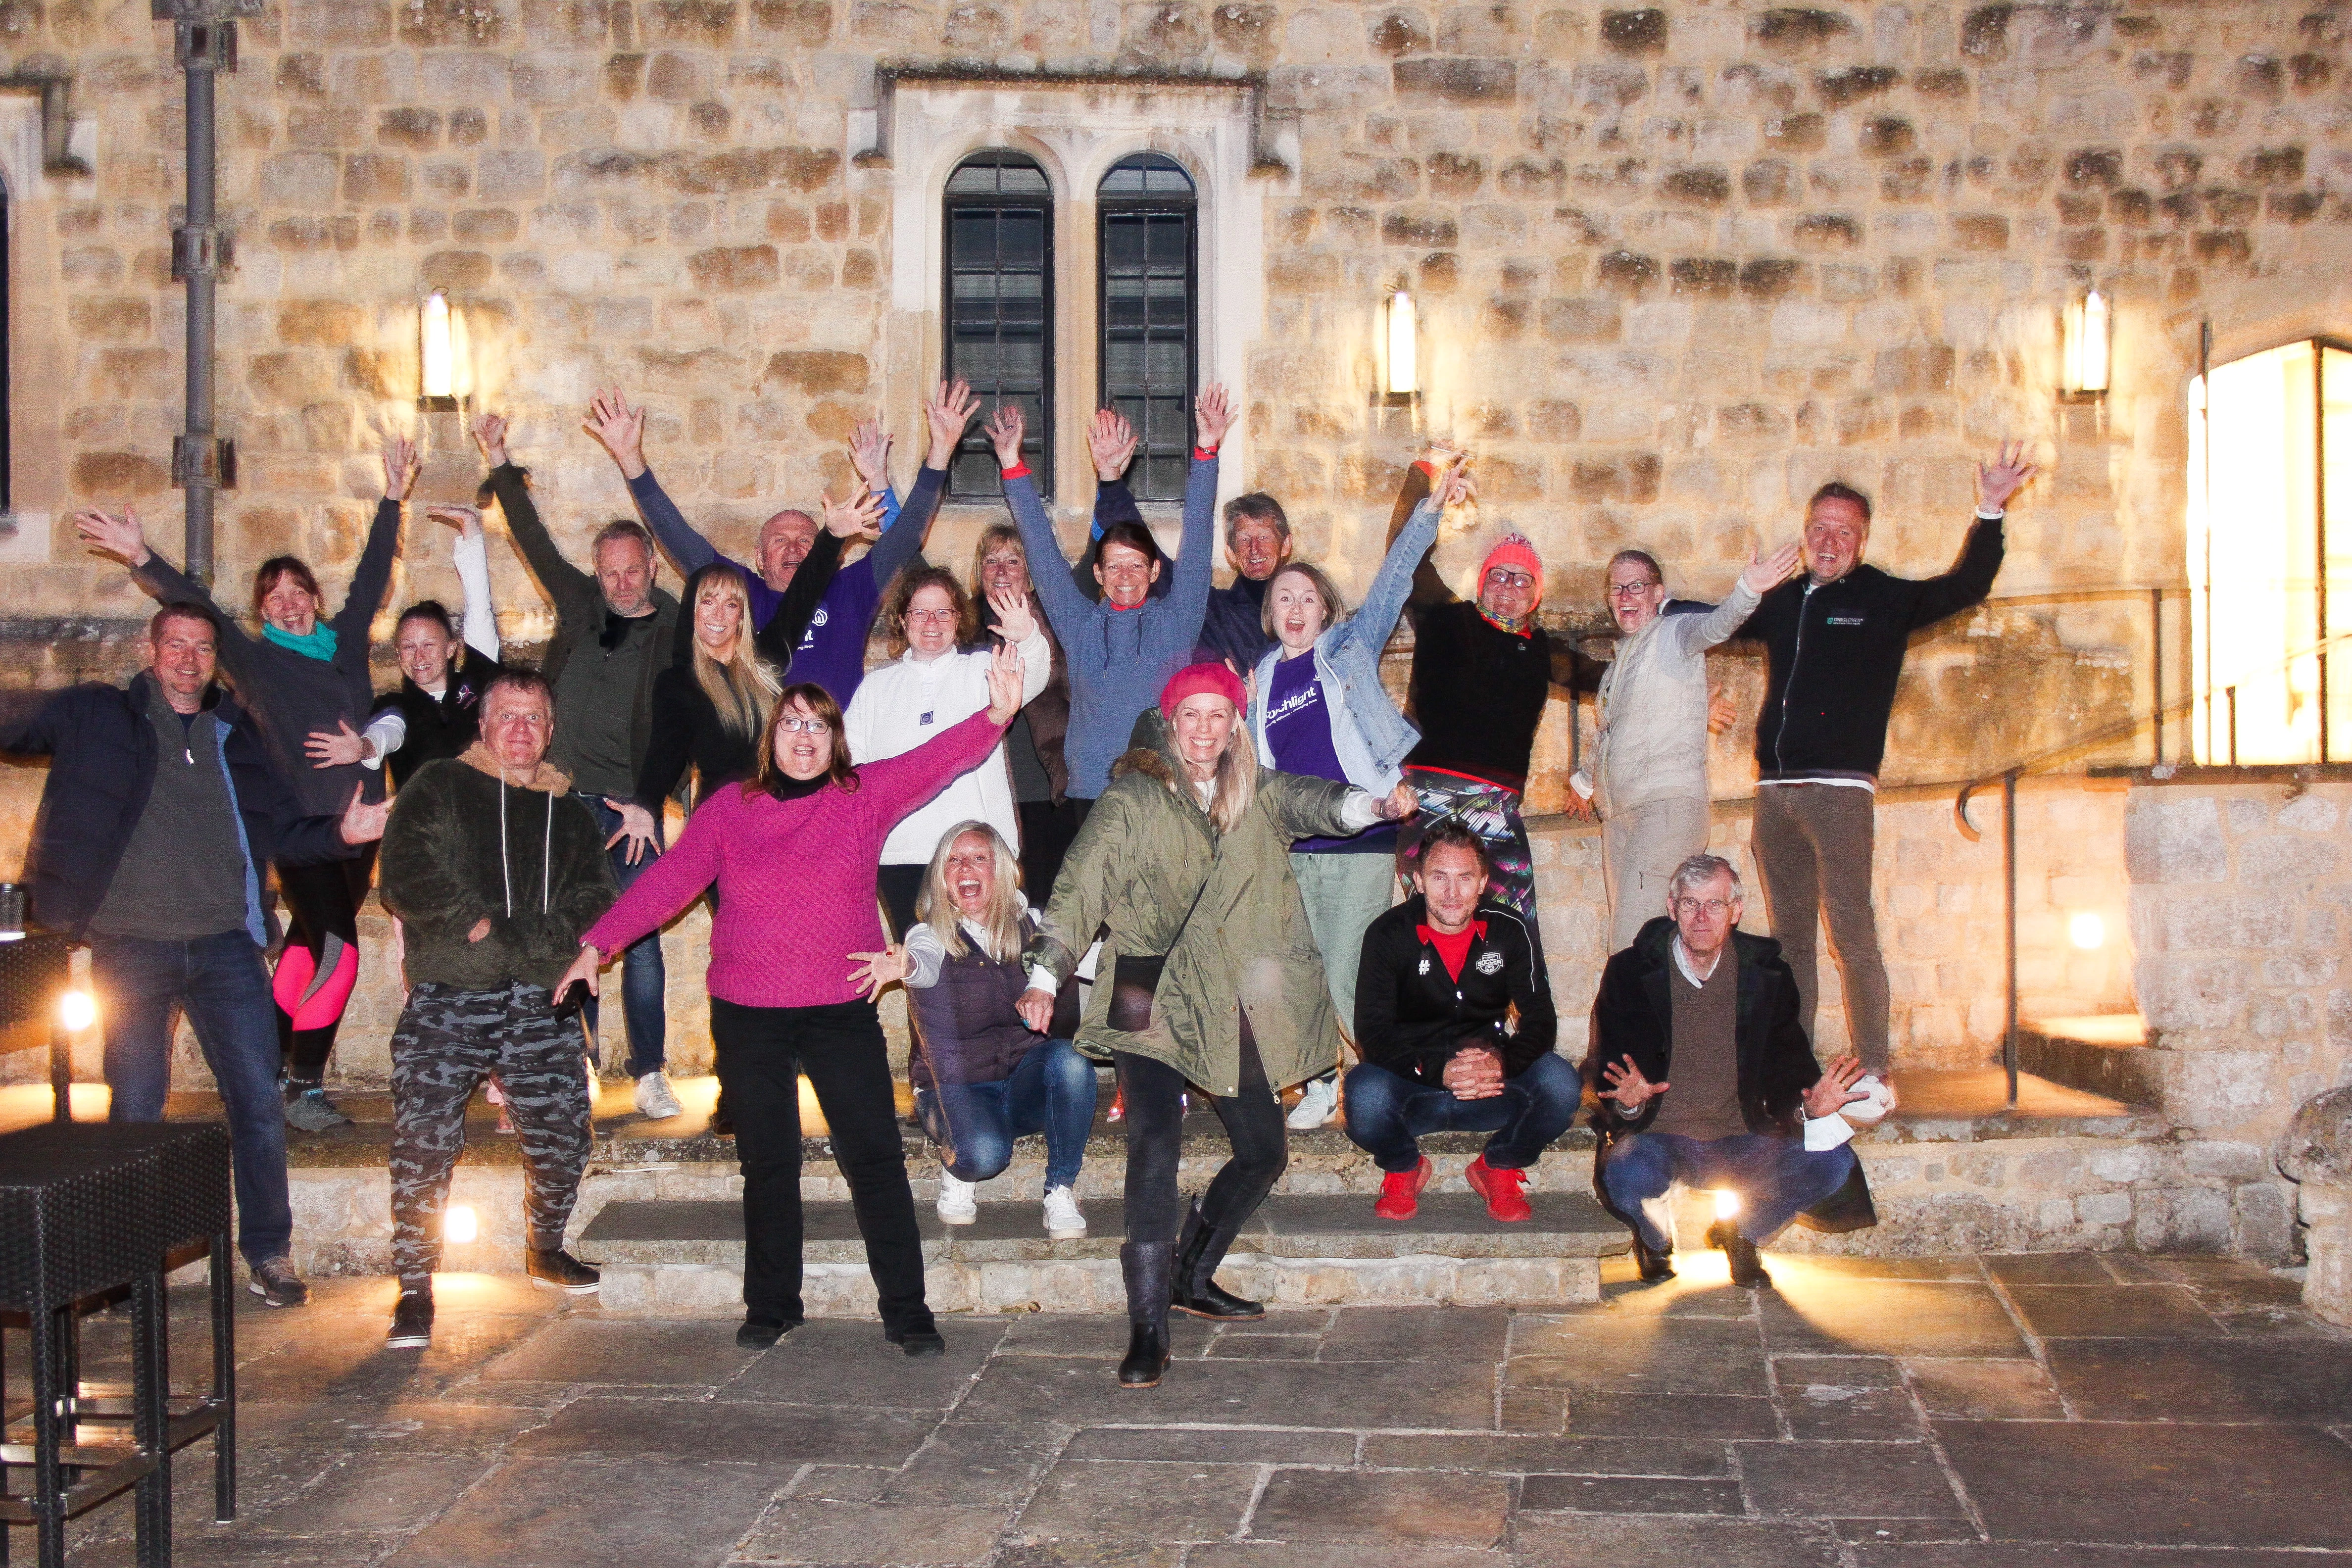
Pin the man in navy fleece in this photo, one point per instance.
(832, 652)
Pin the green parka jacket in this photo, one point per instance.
(1225, 912)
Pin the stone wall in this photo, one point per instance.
(1676, 264)
(2238, 901)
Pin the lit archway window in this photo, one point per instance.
(2270, 556)
(1150, 217)
(1000, 306)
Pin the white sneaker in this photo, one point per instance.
(1317, 1105)
(959, 1199)
(655, 1100)
(1064, 1219)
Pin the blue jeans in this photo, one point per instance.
(644, 981)
(225, 989)
(1776, 1178)
(1388, 1113)
(1051, 1091)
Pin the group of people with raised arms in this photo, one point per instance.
(1197, 806)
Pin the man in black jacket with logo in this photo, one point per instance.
(1441, 975)
(1697, 1002)
(161, 810)
(1834, 640)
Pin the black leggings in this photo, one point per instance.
(321, 961)
(1155, 1143)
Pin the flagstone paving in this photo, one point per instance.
(2058, 1412)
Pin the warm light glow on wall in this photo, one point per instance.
(2266, 581)
(460, 1225)
(2086, 372)
(77, 1010)
(439, 349)
(1726, 1204)
(2087, 930)
(1403, 344)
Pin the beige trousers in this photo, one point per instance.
(1639, 850)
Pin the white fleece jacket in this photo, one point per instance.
(907, 701)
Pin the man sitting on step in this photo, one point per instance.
(1754, 1115)
(1441, 975)
(496, 870)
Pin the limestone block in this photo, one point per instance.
(2327, 1212)
(2174, 839)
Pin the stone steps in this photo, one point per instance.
(2104, 1053)
(683, 1258)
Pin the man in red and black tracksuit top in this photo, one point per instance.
(1442, 975)
(1834, 640)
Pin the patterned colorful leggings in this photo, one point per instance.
(1492, 813)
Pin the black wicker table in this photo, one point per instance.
(33, 975)
(90, 1212)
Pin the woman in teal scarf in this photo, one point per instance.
(306, 680)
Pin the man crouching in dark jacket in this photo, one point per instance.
(496, 871)
(1441, 975)
(1728, 1034)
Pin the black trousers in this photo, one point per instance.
(1155, 1137)
(1046, 830)
(762, 1052)
(898, 887)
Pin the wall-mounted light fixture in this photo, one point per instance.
(2086, 931)
(1400, 349)
(2083, 374)
(440, 334)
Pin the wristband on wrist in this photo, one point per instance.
(1204, 454)
(1017, 471)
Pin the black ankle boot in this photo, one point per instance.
(1201, 1248)
(1747, 1268)
(1655, 1266)
(1144, 1266)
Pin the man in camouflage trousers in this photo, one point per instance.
(496, 870)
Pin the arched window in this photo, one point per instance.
(999, 288)
(1149, 214)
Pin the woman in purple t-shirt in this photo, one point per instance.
(1319, 709)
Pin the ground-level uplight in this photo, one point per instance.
(77, 1010)
(1727, 1204)
(460, 1225)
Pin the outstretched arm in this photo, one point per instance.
(662, 887)
(469, 553)
(126, 540)
(1065, 607)
(620, 429)
(1188, 601)
(561, 579)
(1408, 550)
(1428, 588)
(371, 578)
(1967, 583)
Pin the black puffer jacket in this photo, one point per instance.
(101, 747)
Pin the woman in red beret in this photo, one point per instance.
(1213, 977)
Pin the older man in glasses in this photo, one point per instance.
(1706, 1078)
(1647, 778)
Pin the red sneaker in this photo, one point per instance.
(1117, 1106)
(1401, 1192)
(1506, 1200)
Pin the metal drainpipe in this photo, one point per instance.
(202, 463)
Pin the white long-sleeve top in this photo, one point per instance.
(907, 701)
(470, 554)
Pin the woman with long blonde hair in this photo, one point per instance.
(983, 1077)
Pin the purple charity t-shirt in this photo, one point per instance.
(1298, 733)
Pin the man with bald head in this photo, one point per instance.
(832, 651)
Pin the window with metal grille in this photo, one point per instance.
(1000, 289)
(1150, 215)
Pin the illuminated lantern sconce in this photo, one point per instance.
(2087, 932)
(440, 347)
(2084, 373)
(1401, 350)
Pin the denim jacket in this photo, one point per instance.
(1370, 735)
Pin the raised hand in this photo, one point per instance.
(1834, 1088)
(121, 537)
(490, 435)
(879, 969)
(362, 823)
(1016, 621)
(1110, 442)
(947, 411)
(1006, 428)
(1214, 412)
(337, 748)
(1623, 1082)
(400, 467)
(869, 453)
(1766, 573)
(1456, 486)
(2003, 476)
(1721, 712)
(856, 515)
(619, 430)
(636, 827)
(465, 520)
(1003, 684)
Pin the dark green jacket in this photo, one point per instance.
(1224, 913)
(579, 603)
(462, 845)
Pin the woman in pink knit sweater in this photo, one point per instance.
(793, 853)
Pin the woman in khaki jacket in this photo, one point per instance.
(1213, 978)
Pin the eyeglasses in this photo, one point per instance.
(931, 614)
(1717, 906)
(803, 726)
(1499, 578)
(1631, 590)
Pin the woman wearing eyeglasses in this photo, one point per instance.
(932, 685)
(792, 853)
